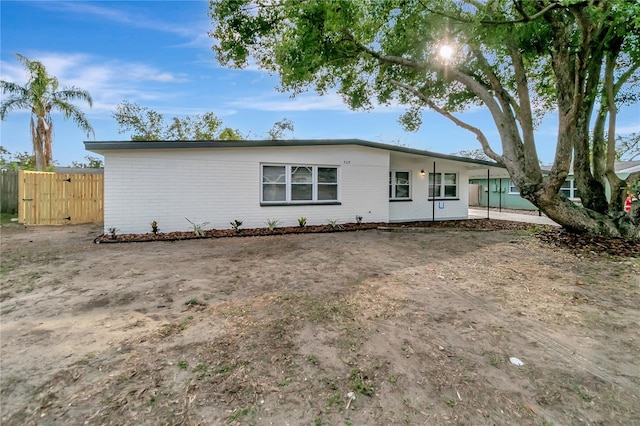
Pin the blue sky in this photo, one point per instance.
(158, 55)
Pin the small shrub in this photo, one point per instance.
(197, 228)
(113, 232)
(272, 224)
(154, 227)
(302, 222)
(334, 223)
(359, 219)
(236, 224)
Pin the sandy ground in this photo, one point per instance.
(357, 328)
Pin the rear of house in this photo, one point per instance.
(216, 182)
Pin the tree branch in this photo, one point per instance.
(398, 60)
(524, 114)
(478, 5)
(479, 135)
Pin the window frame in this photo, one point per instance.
(393, 184)
(571, 189)
(288, 184)
(442, 186)
(513, 188)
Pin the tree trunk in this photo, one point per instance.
(36, 139)
(582, 220)
(41, 136)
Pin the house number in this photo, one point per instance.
(347, 161)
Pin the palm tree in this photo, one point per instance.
(41, 96)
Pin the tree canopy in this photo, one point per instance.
(146, 124)
(41, 96)
(149, 125)
(518, 59)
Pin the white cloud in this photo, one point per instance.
(108, 81)
(133, 17)
(303, 102)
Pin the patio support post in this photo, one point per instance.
(500, 196)
(488, 191)
(433, 199)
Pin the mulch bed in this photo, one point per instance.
(579, 244)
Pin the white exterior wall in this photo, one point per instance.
(223, 184)
(420, 208)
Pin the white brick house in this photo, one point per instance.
(256, 181)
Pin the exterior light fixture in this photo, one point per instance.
(422, 172)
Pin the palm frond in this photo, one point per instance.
(13, 103)
(69, 110)
(12, 88)
(74, 93)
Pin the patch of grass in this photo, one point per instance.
(285, 381)
(169, 329)
(361, 384)
(312, 359)
(194, 302)
(323, 310)
(450, 402)
(334, 399)
(87, 357)
(582, 392)
(223, 369)
(243, 412)
(494, 360)
(182, 365)
(6, 217)
(29, 282)
(393, 379)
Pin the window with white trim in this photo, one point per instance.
(569, 189)
(399, 185)
(513, 189)
(298, 184)
(445, 185)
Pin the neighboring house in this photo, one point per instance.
(255, 181)
(502, 192)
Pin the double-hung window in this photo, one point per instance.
(569, 189)
(443, 185)
(399, 185)
(298, 184)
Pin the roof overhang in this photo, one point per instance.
(100, 147)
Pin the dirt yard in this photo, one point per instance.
(353, 328)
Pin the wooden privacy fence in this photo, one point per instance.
(9, 191)
(60, 198)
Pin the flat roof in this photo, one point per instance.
(99, 146)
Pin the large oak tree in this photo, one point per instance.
(520, 59)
